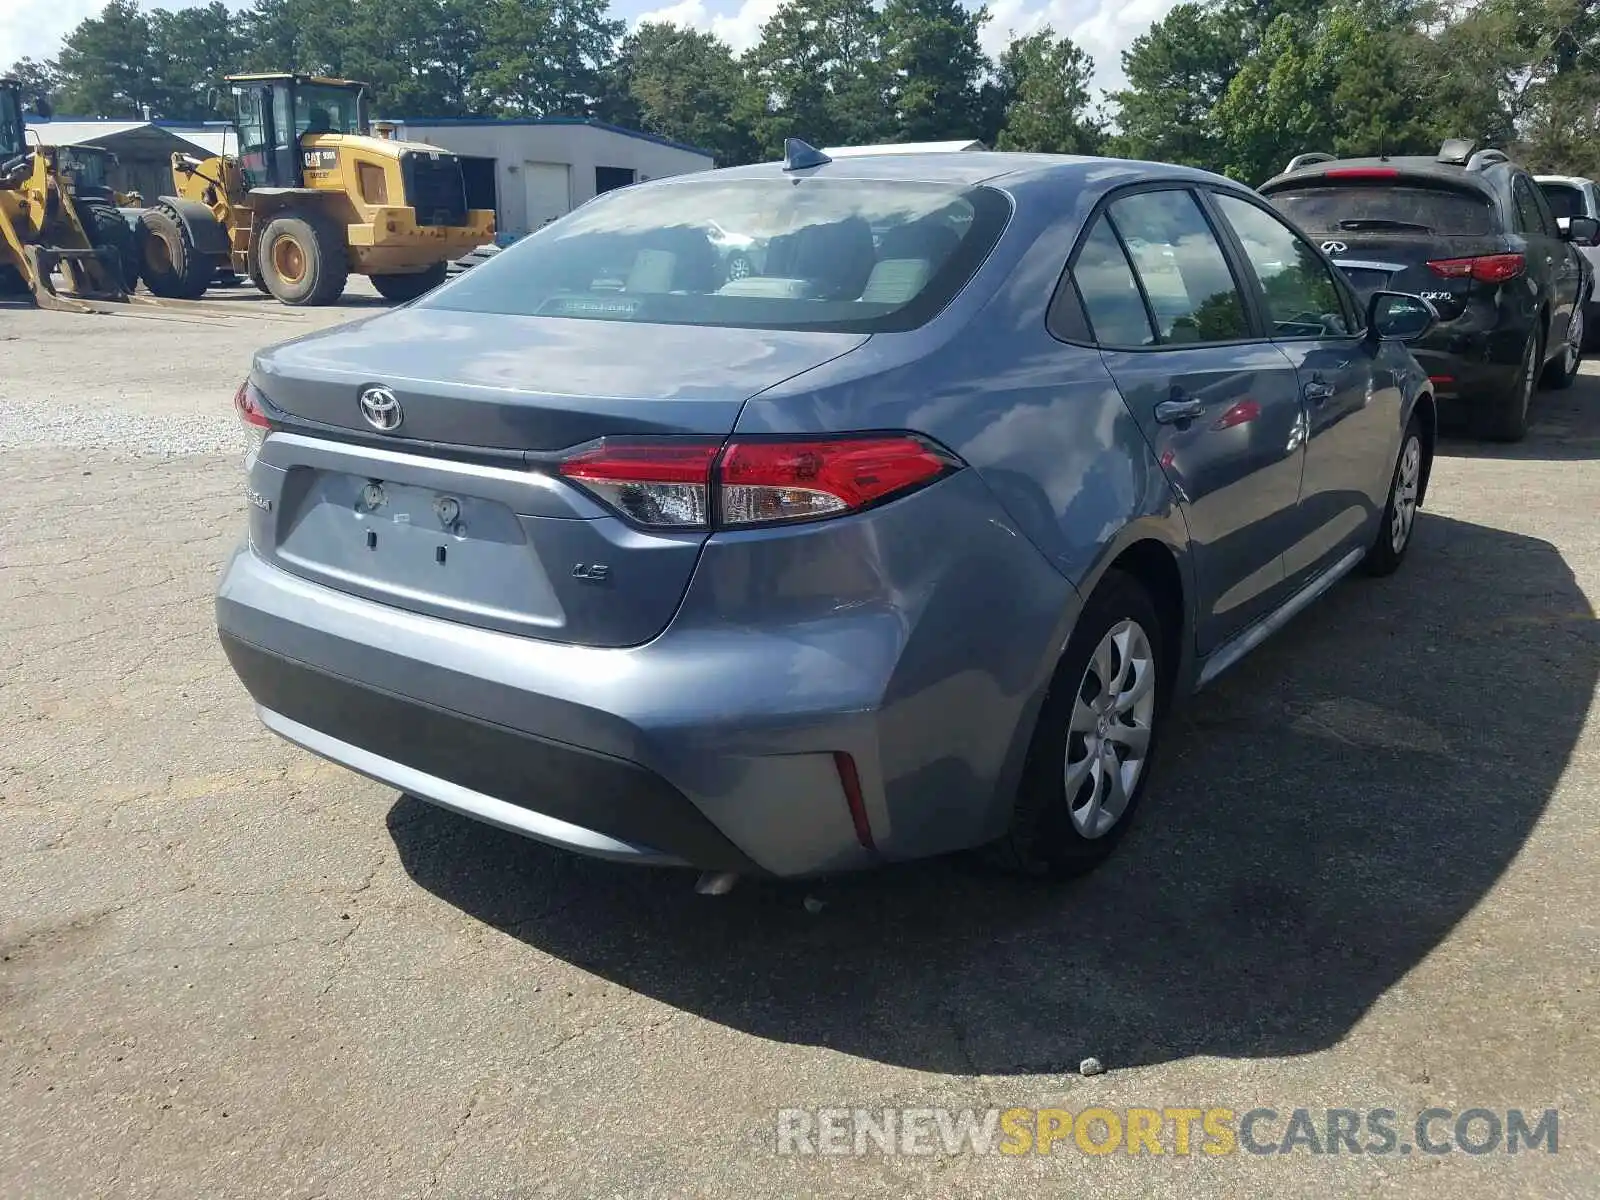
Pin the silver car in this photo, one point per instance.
(903, 546)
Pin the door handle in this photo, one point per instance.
(1170, 412)
(1319, 390)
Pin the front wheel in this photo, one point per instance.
(301, 258)
(1393, 539)
(1089, 762)
(401, 288)
(169, 263)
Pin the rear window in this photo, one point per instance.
(1564, 199)
(1399, 209)
(863, 256)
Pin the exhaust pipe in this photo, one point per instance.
(716, 883)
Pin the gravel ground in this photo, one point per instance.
(1367, 878)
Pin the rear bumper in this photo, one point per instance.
(394, 241)
(713, 745)
(1470, 365)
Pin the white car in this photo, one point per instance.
(1572, 196)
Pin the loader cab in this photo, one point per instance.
(275, 114)
(13, 133)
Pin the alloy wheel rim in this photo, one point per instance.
(1406, 481)
(739, 268)
(1108, 739)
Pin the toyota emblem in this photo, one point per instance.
(381, 409)
(1334, 247)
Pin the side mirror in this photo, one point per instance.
(1399, 317)
(43, 107)
(1582, 231)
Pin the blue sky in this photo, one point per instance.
(1102, 27)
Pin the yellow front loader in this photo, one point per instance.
(43, 230)
(310, 198)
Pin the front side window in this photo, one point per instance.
(1564, 199)
(1191, 291)
(250, 117)
(1302, 298)
(867, 256)
(322, 109)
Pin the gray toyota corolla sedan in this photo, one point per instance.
(901, 544)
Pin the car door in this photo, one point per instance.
(1552, 261)
(1352, 398)
(1218, 403)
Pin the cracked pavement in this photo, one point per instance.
(1367, 877)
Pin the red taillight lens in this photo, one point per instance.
(671, 484)
(252, 419)
(1362, 173)
(652, 483)
(247, 403)
(790, 481)
(1485, 268)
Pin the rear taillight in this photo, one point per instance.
(700, 485)
(1362, 173)
(252, 419)
(1485, 268)
(651, 483)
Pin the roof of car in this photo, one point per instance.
(975, 166)
(1574, 180)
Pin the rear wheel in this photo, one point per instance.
(169, 264)
(108, 230)
(301, 258)
(1564, 368)
(1505, 417)
(11, 282)
(1088, 764)
(400, 288)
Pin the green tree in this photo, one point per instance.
(817, 73)
(106, 65)
(37, 79)
(936, 67)
(1045, 83)
(191, 49)
(1177, 72)
(684, 84)
(545, 57)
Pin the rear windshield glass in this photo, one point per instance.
(1565, 200)
(1399, 209)
(863, 256)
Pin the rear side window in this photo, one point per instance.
(1565, 199)
(1409, 207)
(1117, 315)
(861, 256)
(1530, 219)
(1186, 279)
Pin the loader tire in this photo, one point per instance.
(108, 230)
(169, 264)
(301, 258)
(400, 288)
(11, 282)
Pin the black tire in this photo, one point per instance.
(400, 288)
(108, 230)
(1044, 839)
(259, 283)
(1563, 369)
(1504, 416)
(169, 264)
(11, 282)
(1393, 539)
(301, 257)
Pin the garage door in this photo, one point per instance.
(549, 191)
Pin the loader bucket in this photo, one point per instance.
(92, 274)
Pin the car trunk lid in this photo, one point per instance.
(458, 511)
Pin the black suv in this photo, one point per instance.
(1472, 233)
